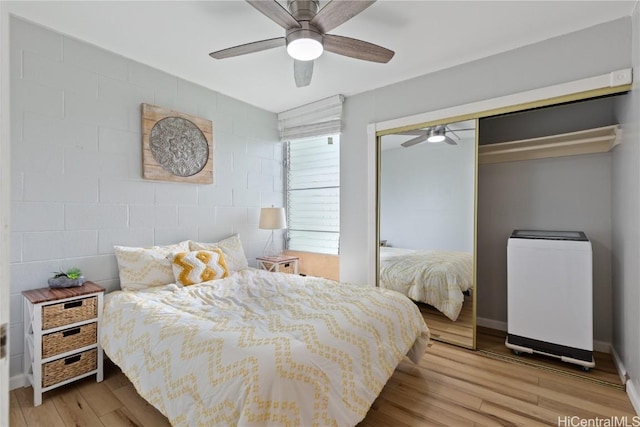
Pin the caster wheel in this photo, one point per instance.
(516, 352)
(586, 369)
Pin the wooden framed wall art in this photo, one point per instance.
(176, 147)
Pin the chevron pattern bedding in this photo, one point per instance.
(437, 278)
(261, 349)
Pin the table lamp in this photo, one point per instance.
(272, 219)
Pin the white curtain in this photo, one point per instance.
(319, 118)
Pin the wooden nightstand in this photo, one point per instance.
(279, 264)
(61, 327)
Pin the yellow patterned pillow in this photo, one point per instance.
(190, 268)
(231, 248)
(141, 268)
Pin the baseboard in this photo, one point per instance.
(617, 362)
(600, 346)
(492, 324)
(17, 381)
(634, 395)
(632, 389)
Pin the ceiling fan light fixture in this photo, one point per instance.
(436, 134)
(304, 43)
(304, 49)
(436, 138)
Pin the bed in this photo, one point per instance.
(257, 348)
(437, 278)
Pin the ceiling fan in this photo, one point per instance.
(306, 34)
(432, 134)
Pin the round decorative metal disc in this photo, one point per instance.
(179, 146)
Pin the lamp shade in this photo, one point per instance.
(272, 219)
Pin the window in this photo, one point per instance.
(312, 188)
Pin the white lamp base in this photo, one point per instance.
(269, 248)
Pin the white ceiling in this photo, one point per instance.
(426, 35)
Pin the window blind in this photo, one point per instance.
(313, 194)
(316, 119)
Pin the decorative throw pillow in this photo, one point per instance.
(141, 268)
(190, 268)
(231, 248)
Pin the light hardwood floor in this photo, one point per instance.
(450, 387)
(443, 329)
(491, 341)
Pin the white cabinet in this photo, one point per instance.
(549, 295)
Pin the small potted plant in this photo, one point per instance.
(66, 279)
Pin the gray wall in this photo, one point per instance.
(76, 165)
(567, 193)
(426, 196)
(626, 225)
(553, 120)
(557, 60)
(572, 193)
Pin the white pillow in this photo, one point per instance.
(142, 268)
(231, 248)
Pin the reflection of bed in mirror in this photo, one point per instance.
(437, 278)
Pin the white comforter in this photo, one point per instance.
(260, 348)
(437, 278)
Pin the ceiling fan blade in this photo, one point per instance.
(302, 72)
(458, 130)
(358, 49)
(274, 11)
(449, 141)
(243, 49)
(337, 12)
(413, 132)
(414, 141)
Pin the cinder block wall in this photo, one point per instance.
(77, 186)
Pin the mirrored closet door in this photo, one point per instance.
(426, 223)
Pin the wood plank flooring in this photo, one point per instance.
(443, 329)
(491, 341)
(451, 386)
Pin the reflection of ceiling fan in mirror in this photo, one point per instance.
(433, 134)
(306, 34)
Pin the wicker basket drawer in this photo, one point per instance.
(283, 267)
(69, 367)
(286, 267)
(66, 313)
(69, 339)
